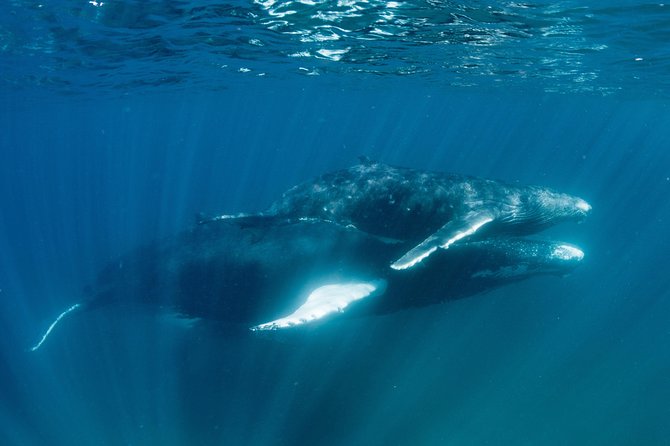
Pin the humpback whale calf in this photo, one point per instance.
(284, 274)
(430, 210)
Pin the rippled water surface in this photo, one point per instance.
(557, 46)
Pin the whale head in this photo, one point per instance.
(546, 207)
(562, 258)
(518, 258)
(558, 258)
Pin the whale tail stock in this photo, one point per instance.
(48, 331)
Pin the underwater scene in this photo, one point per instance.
(334, 222)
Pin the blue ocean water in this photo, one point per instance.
(121, 120)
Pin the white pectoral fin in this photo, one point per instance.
(325, 300)
(417, 254)
(444, 237)
(53, 325)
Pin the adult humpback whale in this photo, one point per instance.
(430, 210)
(272, 276)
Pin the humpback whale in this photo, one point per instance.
(429, 210)
(289, 273)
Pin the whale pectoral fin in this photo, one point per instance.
(444, 237)
(417, 254)
(324, 301)
(53, 325)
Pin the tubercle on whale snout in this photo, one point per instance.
(550, 209)
(567, 252)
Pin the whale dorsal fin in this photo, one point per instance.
(444, 237)
(325, 300)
